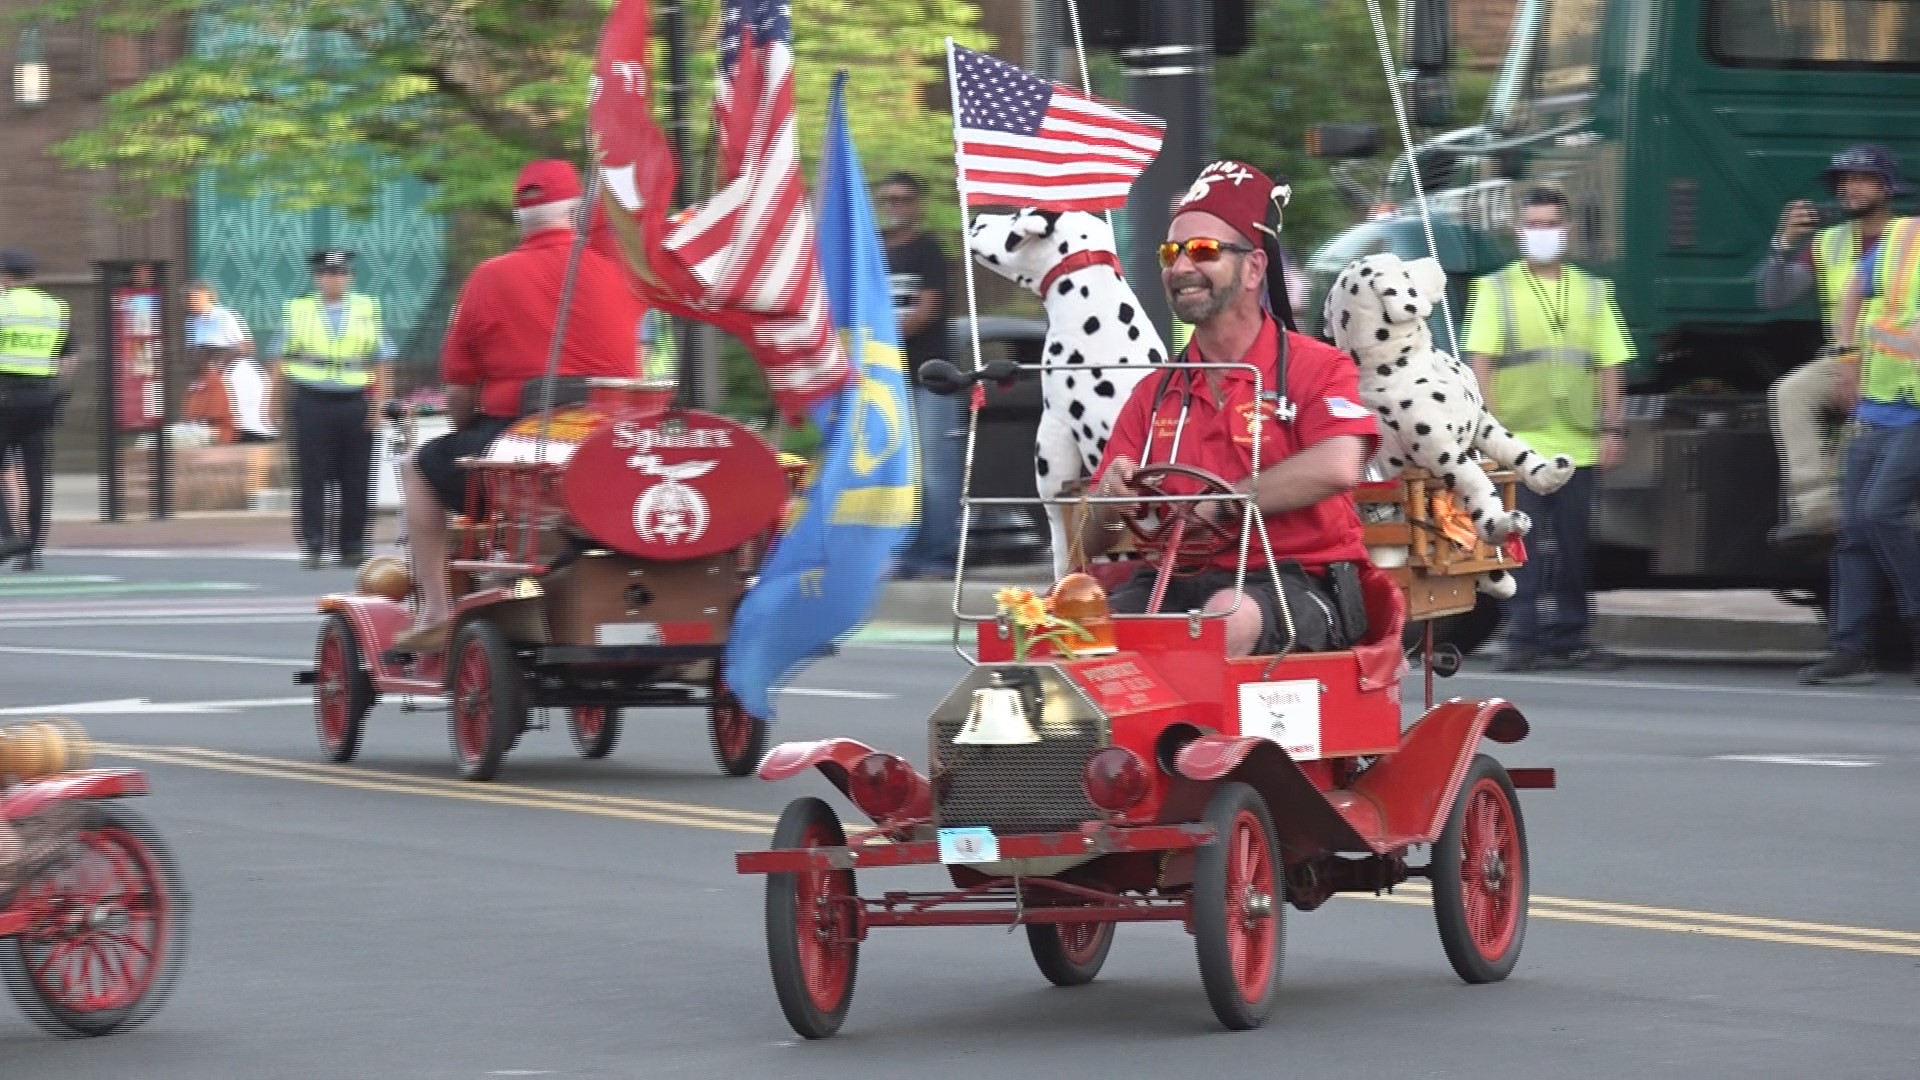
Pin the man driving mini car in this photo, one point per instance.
(496, 347)
(1315, 436)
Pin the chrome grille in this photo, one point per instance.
(1036, 787)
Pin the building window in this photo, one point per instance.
(1843, 34)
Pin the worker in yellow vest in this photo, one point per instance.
(1864, 179)
(1879, 544)
(35, 344)
(1548, 347)
(334, 376)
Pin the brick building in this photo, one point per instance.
(60, 214)
(1484, 28)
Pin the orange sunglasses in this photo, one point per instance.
(1201, 249)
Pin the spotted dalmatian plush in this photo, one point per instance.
(1093, 316)
(1431, 411)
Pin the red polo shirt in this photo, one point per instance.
(502, 325)
(1324, 386)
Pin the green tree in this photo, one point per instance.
(318, 102)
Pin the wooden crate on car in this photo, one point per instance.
(1443, 557)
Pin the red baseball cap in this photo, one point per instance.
(1234, 192)
(545, 181)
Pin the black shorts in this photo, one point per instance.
(1309, 601)
(437, 458)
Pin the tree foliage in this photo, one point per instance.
(319, 102)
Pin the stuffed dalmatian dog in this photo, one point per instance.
(1431, 411)
(1093, 316)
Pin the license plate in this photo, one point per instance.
(968, 846)
(629, 633)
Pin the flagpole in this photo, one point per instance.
(973, 334)
(1086, 77)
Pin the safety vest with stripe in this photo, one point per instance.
(1545, 378)
(1836, 252)
(32, 325)
(1890, 319)
(316, 358)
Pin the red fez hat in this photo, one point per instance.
(546, 181)
(1236, 193)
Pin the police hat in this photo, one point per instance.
(17, 263)
(1868, 160)
(331, 260)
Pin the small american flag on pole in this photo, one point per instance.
(1023, 141)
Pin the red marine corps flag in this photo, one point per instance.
(745, 259)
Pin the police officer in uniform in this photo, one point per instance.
(35, 339)
(334, 357)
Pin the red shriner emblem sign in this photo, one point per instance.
(683, 486)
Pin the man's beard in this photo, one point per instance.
(1194, 310)
(1855, 213)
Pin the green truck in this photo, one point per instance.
(1678, 129)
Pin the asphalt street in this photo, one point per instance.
(1723, 883)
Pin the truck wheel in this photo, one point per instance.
(1239, 914)
(1070, 954)
(342, 693)
(1480, 875)
(486, 700)
(811, 945)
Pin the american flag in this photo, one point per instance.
(1023, 141)
(745, 258)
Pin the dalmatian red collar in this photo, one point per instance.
(1080, 260)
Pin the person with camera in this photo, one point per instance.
(1865, 179)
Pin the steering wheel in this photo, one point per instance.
(1184, 537)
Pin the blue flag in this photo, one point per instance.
(824, 576)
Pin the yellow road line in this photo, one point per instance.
(1687, 915)
(443, 784)
(476, 794)
(1562, 909)
(1538, 911)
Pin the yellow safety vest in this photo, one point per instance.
(1546, 377)
(1836, 251)
(318, 359)
(32, 325)
(1890, 320)
(659, 358)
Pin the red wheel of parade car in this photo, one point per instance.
(93, 918)
(596, 570)
(1160, 779)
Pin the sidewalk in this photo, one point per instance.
(1732, 625)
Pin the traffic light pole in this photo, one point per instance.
(1169, 75)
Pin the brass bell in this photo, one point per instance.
(42, 748)
(998, 718)
(384, 575)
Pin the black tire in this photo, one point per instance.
(121, 871)
(1480, 898)
(1070, 954)
(591, 739)
(1229, 906)
(816, 1006)
(739, 741)
(486, 700)
(342, 691)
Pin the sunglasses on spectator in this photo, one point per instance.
(1201, 249)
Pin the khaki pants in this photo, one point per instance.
(1805, 428)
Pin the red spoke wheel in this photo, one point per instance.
(1480, 876)
(811, 937)
(739, 741)
(595, 728)
(1070, 954)
(342, 692)
(486, 700)
(1239, 918)
(107, 932)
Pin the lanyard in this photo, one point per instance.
(1558, 319)
(1283, 408)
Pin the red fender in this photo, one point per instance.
(1415, 787)
(835, 758)
(1303, 819)
(27, 799)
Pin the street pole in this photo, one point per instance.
(695, 380)
(1170, 76)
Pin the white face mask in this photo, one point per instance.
(1543, 245)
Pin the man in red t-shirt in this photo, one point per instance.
(498, 340)
(1315, 436)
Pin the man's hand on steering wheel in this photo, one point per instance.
(1187, 534)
